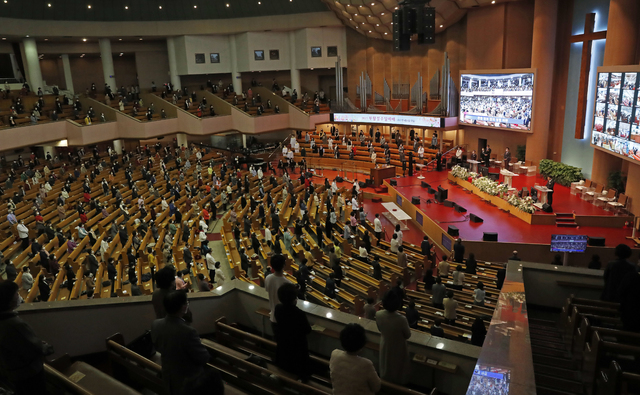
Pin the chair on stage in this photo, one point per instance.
(581, 189)
(618, 206)
(593, 193)
(609, 196)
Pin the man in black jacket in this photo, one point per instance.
(615, 274)
(458, 251)
(22, 352)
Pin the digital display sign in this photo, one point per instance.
(389, 119)
(616, 117)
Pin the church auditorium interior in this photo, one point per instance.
(320, 197)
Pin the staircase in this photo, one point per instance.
(566, 220)
(555, 370)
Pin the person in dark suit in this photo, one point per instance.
(615, 273)
(550, 185)
(93, 263)
(183, 355)
(458, 251)
(330, 286)
(436, 330)
(507, 158)
(439, 161)
(292, 352)
(487, 156)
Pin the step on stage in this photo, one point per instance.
(571, 215)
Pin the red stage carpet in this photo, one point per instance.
(508, 227)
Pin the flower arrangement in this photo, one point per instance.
(460, 172)
(523, 204)
(489, 186)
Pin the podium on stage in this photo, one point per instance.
(543, 192)
(508, 176)
(380, 173)
(474, 165)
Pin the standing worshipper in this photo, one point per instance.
(395, 364)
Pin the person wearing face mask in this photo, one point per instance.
(183, 355)
(22, 352)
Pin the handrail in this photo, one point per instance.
(114, 111)
(443, 155)
(280, 99)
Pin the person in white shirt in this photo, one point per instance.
(394, 243)
(363, 252)
(273, 282)
(450, 306)
(330, 142)
(164, 205)
(267, 235)
(458, 278)
(23, 234)
(203, 225)
(354, 203)
(443, 267)
(356, 185)
(211, 265)
(260, 174)
(373, 157)
(284, 150)
(399, 233)
(27, 278)
(334, 186)
(377, 227)
(220, 278)
(459, 155)
(421, 152)
(479, 294)
(290, 155)
(350, 373)
(104, 246)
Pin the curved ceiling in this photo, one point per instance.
(152, 10)
(373, 18)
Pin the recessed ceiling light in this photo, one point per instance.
(48, 4)
(84, 39)
(195, 6)
(386, 33)
(160, 7)
(119, 39)
(227, 4)
(493, 2)
(259, 3)
(140, 39)
(441, 25)
(6, 1)
(4, 38)
(46, 39)
(369, 31)
(126, 7)
(382, 13)
(27, 36)
(121, 53)
(89, 6)
(373, 3)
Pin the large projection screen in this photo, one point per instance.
(616, 116)
(501, 99)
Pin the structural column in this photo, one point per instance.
(181, 138)
(545, 18)
(173, 64)
(295, 72)
(236, 78)
(68, 79)
(118, 145)
(107, 63)
(33, 64)
(244, 140)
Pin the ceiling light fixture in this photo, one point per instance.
(89, 6)
(84, 39)
(140, 38)
(160, 7)
(49, 5)
(126, 7)
(227, 5)
(493, 2)
(195, 6)
(441, 25)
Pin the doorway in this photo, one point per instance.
(482, 144)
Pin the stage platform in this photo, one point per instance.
(509, 227)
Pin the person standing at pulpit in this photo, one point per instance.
(550, 185)
(439, 161)
(507, 158)
(474, 156)
(459, 155)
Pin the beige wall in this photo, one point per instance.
(152, 66)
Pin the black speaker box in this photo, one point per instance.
(596, 241)
(461, 209)
(393, 182)
(426, 28)
(401, 41)
(431, 191)
(475, 218)
(453, 231)
(444, 193)
(489, 236)
(409, 20)
(362, 184)
(415, 199)
(447, 203)
(425, 185)
(339, 179)
(547, 208)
